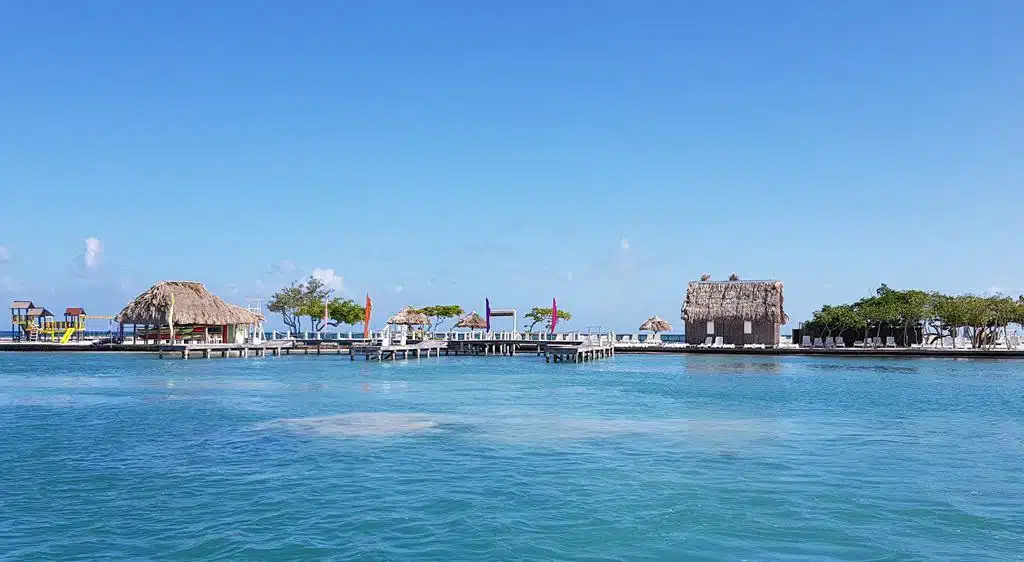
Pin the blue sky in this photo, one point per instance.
(431, 152)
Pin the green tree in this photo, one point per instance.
(314, 294)
(441, 312)
(339, 311)
(912, 309)
(538, 315)
(288, 303)
(836, 319)
(347, 312)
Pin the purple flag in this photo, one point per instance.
(554, 315)
(487, 307)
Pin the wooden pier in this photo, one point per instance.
(492, 347)
(381, 352)
(208, 350)
(581, 353)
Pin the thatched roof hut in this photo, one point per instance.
(741, 312)
(193, 304)
(746, 300)
(409, 316)
(655, 324)
(473, 321)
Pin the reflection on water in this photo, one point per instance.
(881, 366)
(733, 366)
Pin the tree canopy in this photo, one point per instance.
(538, 315)
(441, 312)
(936, 314)
(296, 301)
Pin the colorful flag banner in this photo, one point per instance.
(554, 315)
(366, 318)
(487, 316)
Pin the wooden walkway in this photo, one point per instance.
(381, 352)
(208, 350)
(493, 347)
(587, 351)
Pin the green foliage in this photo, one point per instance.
(288, 303)
(347, 312)
(837, 318)
(538, 315)
(296, 301)
(983, 317)
(441, 312)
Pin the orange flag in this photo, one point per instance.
(366, 318)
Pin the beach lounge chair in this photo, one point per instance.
(1014, 342)
(830, 342)
(876, 342)
(947, 341)
(890, 341)
(840, 342)
(858, 343)
(818, 343)
(707, 342)
(719, 342)
(964, 343)
(805, 341)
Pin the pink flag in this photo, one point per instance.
(554, 315)
(327, 314)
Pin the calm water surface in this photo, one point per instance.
(636, 458)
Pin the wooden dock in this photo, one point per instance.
(578, 353)
(493, 347)
(207, 350)
(381, 352)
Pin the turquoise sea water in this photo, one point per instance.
(109, 456)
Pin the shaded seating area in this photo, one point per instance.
(186, 312)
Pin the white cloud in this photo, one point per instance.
(5, 254)
(331, 280)
(624, 243)
(93, 249)
(399, 288)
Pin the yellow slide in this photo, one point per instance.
(67, 335)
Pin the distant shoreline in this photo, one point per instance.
(916, 353)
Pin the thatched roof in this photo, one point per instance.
(193, 304)
(655, 324)
(741, 300)
(473, 321)
(409, 316)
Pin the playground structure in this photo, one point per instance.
(33, 323)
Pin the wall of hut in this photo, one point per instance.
(733, 331)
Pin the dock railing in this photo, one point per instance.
(508, 336)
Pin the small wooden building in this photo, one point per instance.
(184, 311)
(741, 312)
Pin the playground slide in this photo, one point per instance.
(67, 335)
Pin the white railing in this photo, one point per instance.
(454, 336)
